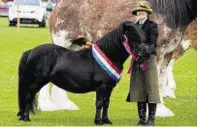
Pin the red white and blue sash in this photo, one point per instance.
(143, 66)
(106, 63)
(128, 49)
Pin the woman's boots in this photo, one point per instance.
(142, 114)
(152, 111)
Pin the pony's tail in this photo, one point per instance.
(22, 85)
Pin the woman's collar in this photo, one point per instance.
(142, 21)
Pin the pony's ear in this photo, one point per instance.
(127, 25)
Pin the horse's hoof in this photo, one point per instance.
(107, 121)
(98, 122)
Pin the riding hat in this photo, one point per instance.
(142, 6)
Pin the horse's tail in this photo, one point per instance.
(22, 64)
(22, 82)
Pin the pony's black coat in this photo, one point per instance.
(77, 72)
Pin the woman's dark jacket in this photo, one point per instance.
(151, 31)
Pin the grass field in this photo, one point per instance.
(12, 45)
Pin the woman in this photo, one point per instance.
(144, 77)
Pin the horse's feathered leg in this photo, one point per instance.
(106, 103)
(100, 92)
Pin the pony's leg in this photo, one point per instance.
(60, 99)
(106, 103)
(24, 82)
(28, 86)
(100, 93)
(44, 101)
(21, 100)
(30, 101)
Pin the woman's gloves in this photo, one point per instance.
(146, 48)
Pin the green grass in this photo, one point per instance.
(12, 45)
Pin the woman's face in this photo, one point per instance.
(141, 15)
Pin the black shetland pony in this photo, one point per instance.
(77, 72)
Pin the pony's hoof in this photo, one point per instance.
(98, 122)
(107, 121)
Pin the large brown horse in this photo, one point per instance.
(71, 19)
(179, 34)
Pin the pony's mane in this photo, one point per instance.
(111, 45)
(114, 36)
(137, 34)
(177, 13)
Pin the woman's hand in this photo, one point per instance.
(144, 49)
